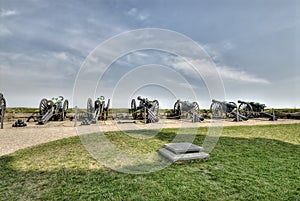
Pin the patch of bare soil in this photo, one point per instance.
(13, 139)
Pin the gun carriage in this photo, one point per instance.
(146, 110)
(255, 110)
(224, 109)
(186, 109)
(97, 110)
(2, 109)
(54, 108)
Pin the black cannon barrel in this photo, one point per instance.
(230, 104)
(240, 101)
(215, 101)
(140, 98)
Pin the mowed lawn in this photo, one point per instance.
(248, 163)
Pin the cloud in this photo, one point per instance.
(138, 15)
(217, 50)
(61, 56)
(227, 45)
(46, 43)
(192, 67)
(4, 31)
(240, 75)
(36, 64)
(7, 13)
(225, 72)
(132, 12)
(142, 17)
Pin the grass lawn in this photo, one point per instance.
(248, 163)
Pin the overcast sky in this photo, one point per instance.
(255, 47)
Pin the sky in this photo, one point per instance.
(251, 47)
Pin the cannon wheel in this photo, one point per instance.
(155, 110)
(234, 110)
(155, 107)
(177, 109)
(216, 110)
(107, 109)
(98, 108)
(195, 111)
(133, 109)
(196, 108)
(43, 106)
(245, 109)
(233, 103)
(64, 110)
(2, 110)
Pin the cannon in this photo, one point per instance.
(254, 109)
(146, 110)
(187, 109)
(224, 109)
(2, 109)
(54, 108)
(97, 110)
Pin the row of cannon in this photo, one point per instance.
(148, 110)
(243, 111)
(145, 110)
(140, 109)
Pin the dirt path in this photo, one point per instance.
(13, 139)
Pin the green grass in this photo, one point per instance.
(21, 110)
(248, 163)
(26, 110)
(288, 110)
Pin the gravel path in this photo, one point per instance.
(13, 139)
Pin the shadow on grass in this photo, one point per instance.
(239, 169)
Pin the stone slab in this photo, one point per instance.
(182, 157)
(183, 147)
